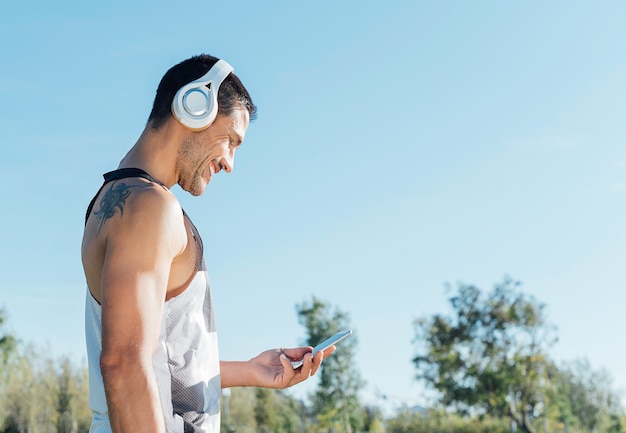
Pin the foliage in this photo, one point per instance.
(584, 398)
(336, 401)
(261, 410)
(72, 398)
(276, 412)
(439, 421)
(44, 395)
(373, 421)
(238, 410)
(7, 342)
(7, 350)
(490, 357)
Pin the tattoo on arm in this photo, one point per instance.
(114, 198)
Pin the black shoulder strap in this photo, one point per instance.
(121, 173)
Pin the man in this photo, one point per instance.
(151, 340)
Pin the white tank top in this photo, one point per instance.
(185, 362)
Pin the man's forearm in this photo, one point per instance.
(132, 397)
(236, 373)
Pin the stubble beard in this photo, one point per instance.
(189, 174)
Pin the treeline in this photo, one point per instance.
(39, 394)
(490, 358)
(487, 361)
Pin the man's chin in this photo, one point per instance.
(198, 188)
(199, 191)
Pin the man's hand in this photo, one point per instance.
(273, 369)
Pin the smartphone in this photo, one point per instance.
(325, 345)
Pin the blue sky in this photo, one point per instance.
(397, 148)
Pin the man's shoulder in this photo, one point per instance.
(142, 194)
(133, 201)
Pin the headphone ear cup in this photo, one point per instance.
(195, 104)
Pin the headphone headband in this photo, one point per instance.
(195, 104)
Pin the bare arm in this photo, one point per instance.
(141, 246)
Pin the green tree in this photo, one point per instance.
(592, 400)
(489, 356)
(43, 395)
(374, 420)
(65, 397)
(238, 410)
(29, 401)
(7, 341)
(264, 410)
(276, 412)
(260, 410)
(558, 403)
(7, 350)
(336, 401)
(74, 414)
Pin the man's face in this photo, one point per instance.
(204, 154)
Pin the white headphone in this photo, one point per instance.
(195, 104)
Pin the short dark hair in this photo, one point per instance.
(231, 92)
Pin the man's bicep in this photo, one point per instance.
(134, 283)
(132, 301)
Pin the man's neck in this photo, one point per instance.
(156, 152)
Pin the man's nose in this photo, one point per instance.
(227, 163)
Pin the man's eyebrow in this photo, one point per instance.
(237, 139)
